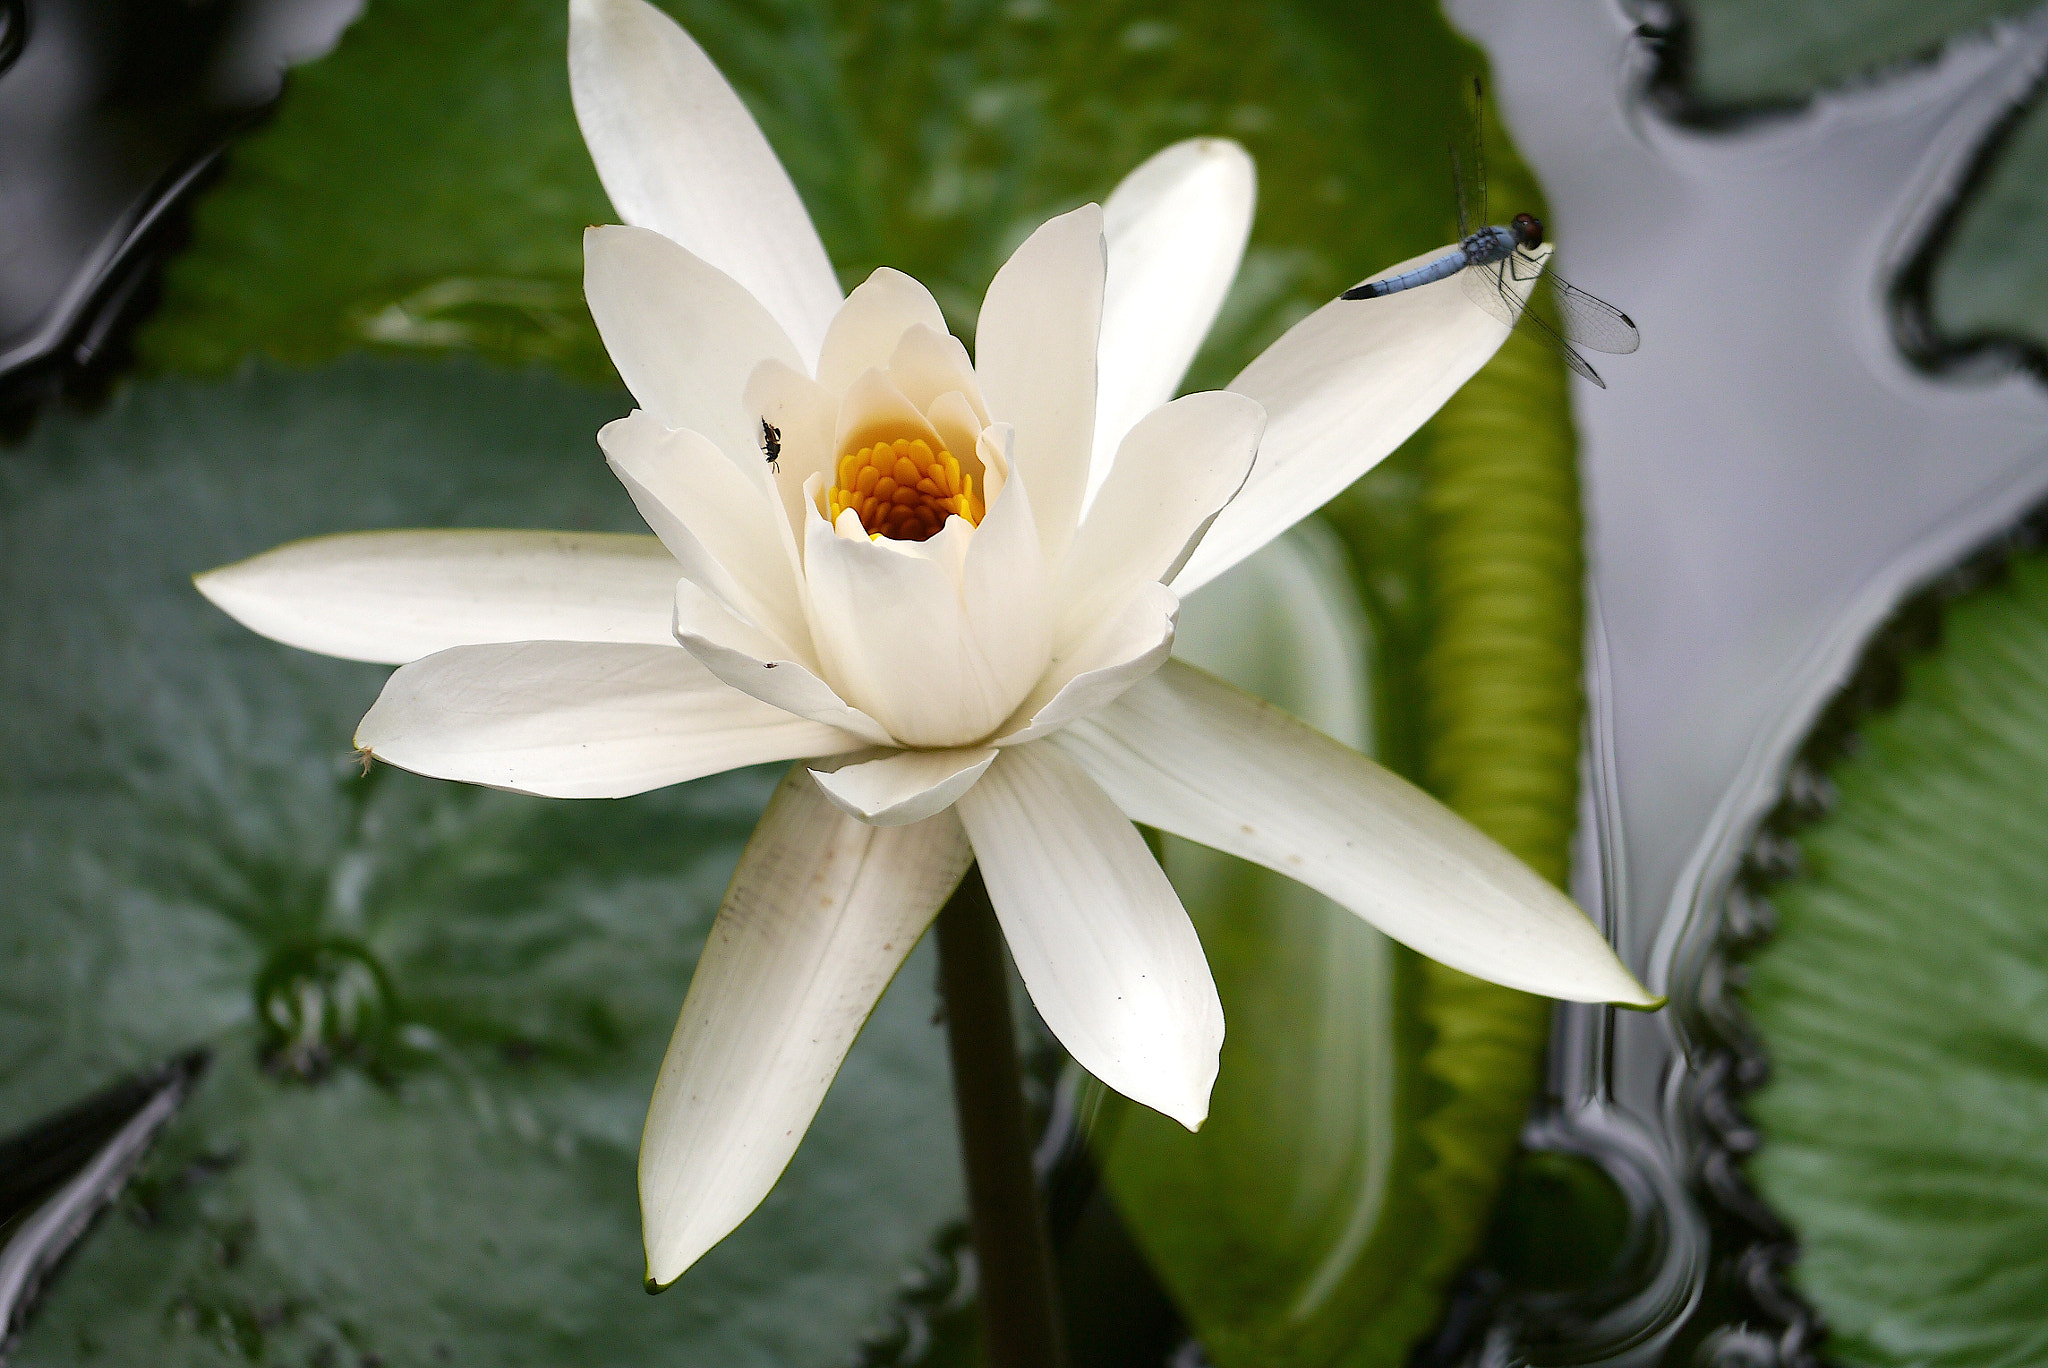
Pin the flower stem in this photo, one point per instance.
(1019, 1306)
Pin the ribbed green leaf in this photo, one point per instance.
(1904, 1001)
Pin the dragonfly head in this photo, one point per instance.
(1528, 230)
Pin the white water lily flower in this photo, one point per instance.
(952, 595)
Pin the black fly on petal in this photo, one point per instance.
(771, 445)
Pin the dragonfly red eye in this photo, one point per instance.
(1529, 229)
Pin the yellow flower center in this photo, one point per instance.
(903, 490)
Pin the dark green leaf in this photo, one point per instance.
(425, 186)
(437, 1011)
(1904, 1001)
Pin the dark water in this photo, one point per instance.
(111, 113)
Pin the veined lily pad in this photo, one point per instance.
(1904, 1004)
(436, 1011)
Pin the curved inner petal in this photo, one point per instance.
(755, 663)
(684, 335)
(1175, 470)
(907, 633)
(1176, 229)
(717, 519)
(902, 786)
(870, 324)
(1035, 358)
(679, 153)
(1095, 673)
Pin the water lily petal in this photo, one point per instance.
(1105, 948)
(678, 153)
(960, 428)
(1174, 472)
(869, 324)
(1341, 389)
(1006, 595)
(874, 409)
(1094, 674)
(755, 663)
(903, 786)
(684, 335)
(930, 362)
(1187, 753)
(1176, 229)
(573, 719)
(392, 597)
(819, 916)
(722, 523)
(806, 417)
(894, 633)
(1034, 353)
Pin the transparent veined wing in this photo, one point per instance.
(1534, 326)
(1496, 287)
(1468, 167)
(1591, 321)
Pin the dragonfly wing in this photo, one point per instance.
(1468, 166)
(1591, 321)
(1486, 286)
(1533, 325)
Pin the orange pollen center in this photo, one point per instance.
(902, 490)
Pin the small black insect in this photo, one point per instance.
(771, 445)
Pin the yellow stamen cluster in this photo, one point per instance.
(903, 491)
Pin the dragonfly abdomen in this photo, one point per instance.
(1450, 263)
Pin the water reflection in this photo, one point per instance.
(110, 111)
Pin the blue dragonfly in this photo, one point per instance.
(1496, 262)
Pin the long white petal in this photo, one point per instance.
(1034, 353)
(570, 719)
(685, 336)
(678, 153)
(871, 322)
(1174, 472)
(1176, 229)
(1095, 673)
(903, 786)
(724, 524)
(1109, 956)
(1341, 389)
(392, 597)
(755, 663)
(820, 915)
(1187, 753)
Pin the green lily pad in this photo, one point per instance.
(424, 187)
(436, 1011)
(1991, 277)
(1904, 1003)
